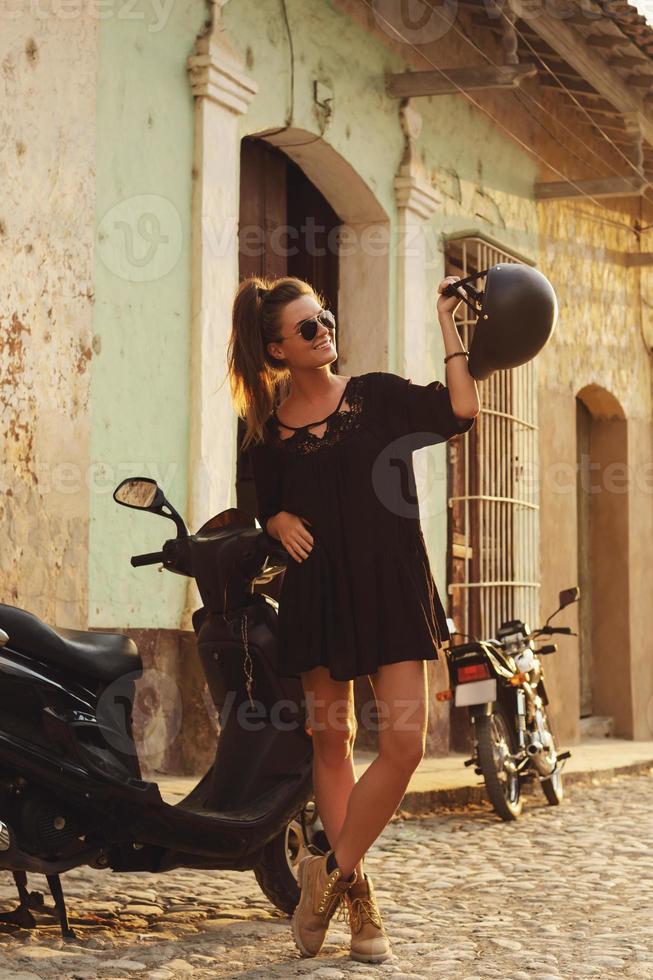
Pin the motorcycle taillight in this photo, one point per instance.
(472, 672)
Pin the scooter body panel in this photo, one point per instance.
(68, 758)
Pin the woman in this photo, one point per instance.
(332, 465)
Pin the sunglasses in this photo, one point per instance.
(308, 328)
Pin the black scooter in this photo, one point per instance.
(71, 791)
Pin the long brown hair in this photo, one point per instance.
(255, 377)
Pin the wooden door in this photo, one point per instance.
(286, 227)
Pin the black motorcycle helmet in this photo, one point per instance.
(517, 312)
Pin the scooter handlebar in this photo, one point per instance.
(154, 558)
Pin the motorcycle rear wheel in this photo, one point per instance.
(495, 740)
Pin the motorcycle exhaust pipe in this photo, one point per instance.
(540, 760)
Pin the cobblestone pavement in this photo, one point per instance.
(563, 892)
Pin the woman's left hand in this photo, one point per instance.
(448, 304)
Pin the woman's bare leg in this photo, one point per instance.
(330, 711)
(401, 694)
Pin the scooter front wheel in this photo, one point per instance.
(276, 872)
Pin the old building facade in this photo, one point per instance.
(371, 151)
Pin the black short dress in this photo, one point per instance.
(365, 596)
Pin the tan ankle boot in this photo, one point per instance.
(369, 940)
(321, 894)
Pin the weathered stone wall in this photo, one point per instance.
(601, 353)
(47, 167)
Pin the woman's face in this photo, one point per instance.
(293, 349)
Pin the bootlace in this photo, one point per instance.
(342, 914)
(360, 909)
(333, 902)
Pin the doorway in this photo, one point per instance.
(286, 228)
(606, 699)
(583, 512)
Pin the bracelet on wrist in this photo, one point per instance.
(456, 354)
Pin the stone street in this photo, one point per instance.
(563, 892)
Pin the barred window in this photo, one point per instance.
(493, 527)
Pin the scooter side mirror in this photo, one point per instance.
(139, 492)
(142, 493)
(567, 596)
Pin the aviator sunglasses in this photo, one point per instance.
(308, 328)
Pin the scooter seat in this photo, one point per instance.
(103, 656)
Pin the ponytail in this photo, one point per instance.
(255, 376)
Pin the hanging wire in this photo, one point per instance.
(291, 110)
(482, 108)
(580, 106)
(517, 93)
(529, 149)
(291, 50)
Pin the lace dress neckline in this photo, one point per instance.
(310, 425)
(338, 423)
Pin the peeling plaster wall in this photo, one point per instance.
(601, 340)
(598, 338)
(47, 171)
(140, 376)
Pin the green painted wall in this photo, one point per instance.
(140, 380)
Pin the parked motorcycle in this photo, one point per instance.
(501, 682)
(71, 789)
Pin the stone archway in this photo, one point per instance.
(364, 249)
(603, 563)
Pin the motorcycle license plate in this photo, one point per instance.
(476, 692)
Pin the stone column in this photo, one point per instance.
(416, 201)
(222, 92)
